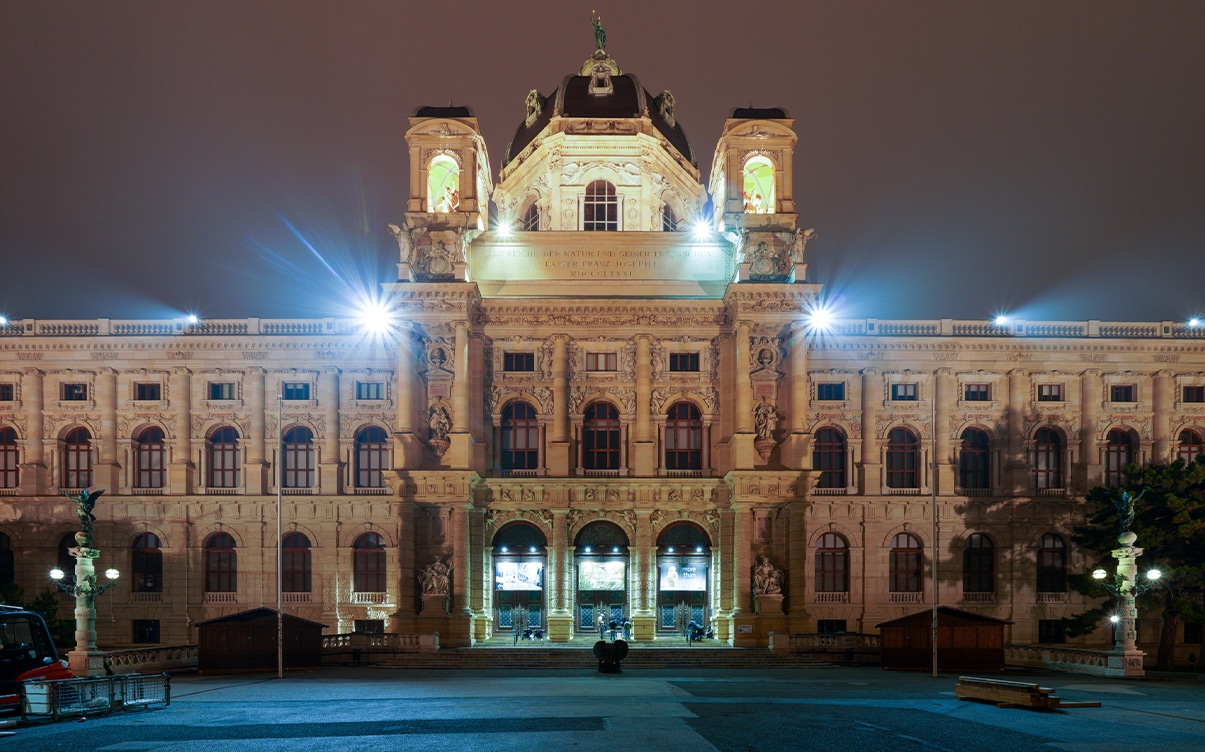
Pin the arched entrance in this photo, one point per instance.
(683, 582)
(520, 555)
(601, 561)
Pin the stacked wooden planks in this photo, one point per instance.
(1013, 694)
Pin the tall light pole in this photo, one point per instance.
(85, 659)
(933, 515)
(1125, 587)
(280, 482)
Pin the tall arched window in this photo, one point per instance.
(759, 186)
(904, 574)
(221, 564)
(600, 207)
(1190, 445)
(828, 456)
(683, 437)
(1052, 564)
(903, 459)
(1119, 452)
(530, 221)
(832, 564)
(669, 221)
(148, 564)
(295, 563)
(443, 184)
(600, 437)
(7, 568)
(520, 437)
(979, 565)
(77, 459)
(973, 456)
(10, 459)
(372, 457)
(149, 459)
(299, 458)
(224, 458)
(1048, 458)
(368, 564)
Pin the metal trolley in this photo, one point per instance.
(103, 694)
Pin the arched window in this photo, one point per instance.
(669, 221)
(443, 184)
(520, 437)
(903, 459)
(759, 186)
(832, 564)
(7, 568)
(148, 564)
(600, 207)
(683, 437)
(530, 221)
(600, 437)
(1052, 565)
(979, 565)
(1119, 452)
(295, 563)
(221, 564)
(905, 565)
(973, 455)
(1190, 446)
(224, 458)
(149, 459)
(372, 457)
(368, 564)
(10, 459)
(828, 456)
(77, 459)
(299, 458)
(1048, 459)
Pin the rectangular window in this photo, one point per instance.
(1194, 632)
(1050, 392)
(8, 392)
(831, 392)
(684, 361)
(370, 626)
(600, 361)
(1191, 393)
(146, 631)
(830, 626)
(1052, 631)
(977, 393)
(221, 391)
(370, 390)
(148, 392)
(75, 392)
(903, 392)
(296, 390)
(1122, 393)
(518, 361)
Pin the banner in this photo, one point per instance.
(601, 575)
(516, 575)
(679, 576)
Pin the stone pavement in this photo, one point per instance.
(671, 709)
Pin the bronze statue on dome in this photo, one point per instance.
(600, 36)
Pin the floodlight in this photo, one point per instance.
(192, 318)
(819, 318)
(1194, 322)
(1114, 618)
(1099, 574)
(375, 317)
(1154, 575)
(1001, 320)
(698, 549)
(670, 549)
(3, 321)
(112, 573)
(56, 574)
(701, 230)
(587, 549)
(532, 549)
(504, 549)
(504, 229)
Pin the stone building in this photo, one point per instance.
(615, 397)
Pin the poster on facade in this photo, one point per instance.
(678, 576)
(601, 575)
(519, 575)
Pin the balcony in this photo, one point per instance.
(1052, 597)
(295, 597)
(905, 597)
(978, 598)
(832, 597)
(369, 599)
(223, 598)
(830, 491)
(146, 597)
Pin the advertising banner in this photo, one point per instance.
(519, 575)
(601, 575)
(679, 576)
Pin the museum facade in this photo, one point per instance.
(613, 398)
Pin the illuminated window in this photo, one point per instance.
(977, 393)
(372, 457)
(828, 456)
(299, 458)
(973, 457)
(600, 208)
(224, 458)
(600, 437)
(149, 459)
(77, 459)
(443, 184)
(295, 563)
(530, 221)
(979, 565)
(1050, 392)
(903, 459)
(759, 186)
(669, 222)
(904, 568)
(520, 437)
(1052, 565)
(1190, 446)
(1048, 459)
(832, 564)
(221, 564)
(10, 459)
(148, 392)
(1119, 452)
(683, 437)
(368, 564)
(147, 559)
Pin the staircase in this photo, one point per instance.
(487, 656)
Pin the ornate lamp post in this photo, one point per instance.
(85, 659)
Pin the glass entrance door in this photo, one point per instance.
(681, 591)
(602, 593)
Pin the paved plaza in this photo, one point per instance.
(696, 710)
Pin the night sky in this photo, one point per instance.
(957, 159)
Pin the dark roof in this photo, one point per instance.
(572, 99)
(949, 611)
(254, 615)
(448, 112)
(759, 113)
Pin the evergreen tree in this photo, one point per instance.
(1169, 521)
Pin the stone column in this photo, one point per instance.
(645, 463)
(946, 394)
(181, 403)
(644, 579)
(1125, 635)
(35, 476)
(477, 579)
(1016, 464)
(1090, 399)
(255, 473)
(1163, 404)
(743, 456)
(872, 399)
(795, 444)
(560, 617)
(460, 387)
(741, 572)
(85, 660)
(407, 445)
(328, 403)
(559, 456)
(460, 618)
(107, 473)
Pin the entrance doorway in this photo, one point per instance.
(520, 555)
(601, 594)
(683, 578)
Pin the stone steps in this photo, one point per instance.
(582, 657)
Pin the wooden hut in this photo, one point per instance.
(246, 641)
(965, 641)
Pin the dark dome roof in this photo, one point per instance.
(759, 113)
(448, 112)
(572, 99)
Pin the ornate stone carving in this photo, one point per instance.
(434, 578)
(767, 579)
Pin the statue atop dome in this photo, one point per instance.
(600, 35)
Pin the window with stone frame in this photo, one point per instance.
(979, 564)
(904, 392)
(221, 564)
(8, 392)
(222, 390)
(372, 457)
(75, 392)
(601, 361)
(299, 458)
(904, 567)
(77, 459)
(370, 390)
(1123, 393)
(828, 457)
(518, 361)
(902, 459)
(530, 221)
(150, 459)
(148, 392)
(600, 207)
(368, 564)
(10, 459)
(600, 437)
(225, 458)
(830, 392)
(1119, 452)
(146, 556)
(1048, 459)
(296, 563)
(520, 437)
(683, 437)
(683, 361)
(1191, 394)
(1191, 445)
(977, 393)
(832, 564)
(1052, 564)
(974, 460)
(295, 390)
(1050, 392)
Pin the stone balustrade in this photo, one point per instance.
(151, 660)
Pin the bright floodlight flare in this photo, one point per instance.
(1194, 321)
(1001, 320)
(375, 317)
(192, 318)
(1114, 618)
(820, 318)
(3, 321)
(504, 229)
(1099, 574)
(56, 574)
(1154, 575)
(112, 573)
(701, 229)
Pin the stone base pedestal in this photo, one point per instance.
(1126, 664)
(560, 627)
(86, 663)
(644, 628)
(744, 631)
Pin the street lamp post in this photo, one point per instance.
(85, 659)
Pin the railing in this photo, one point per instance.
(832, 597)
(1052, 597)
(905, 597)
(972, 492)
(375, 599)
(295, 597)
(1052, 492)
(221, 597)
(369, 648)
(842, 647)
(602, 473)
(684, 473)
(829, 491)
(526, 473)
(146, 597)
(151, 659)
(978, 597)
(901, 491)
(1095, 662)
(382, 491)
(223, 491)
